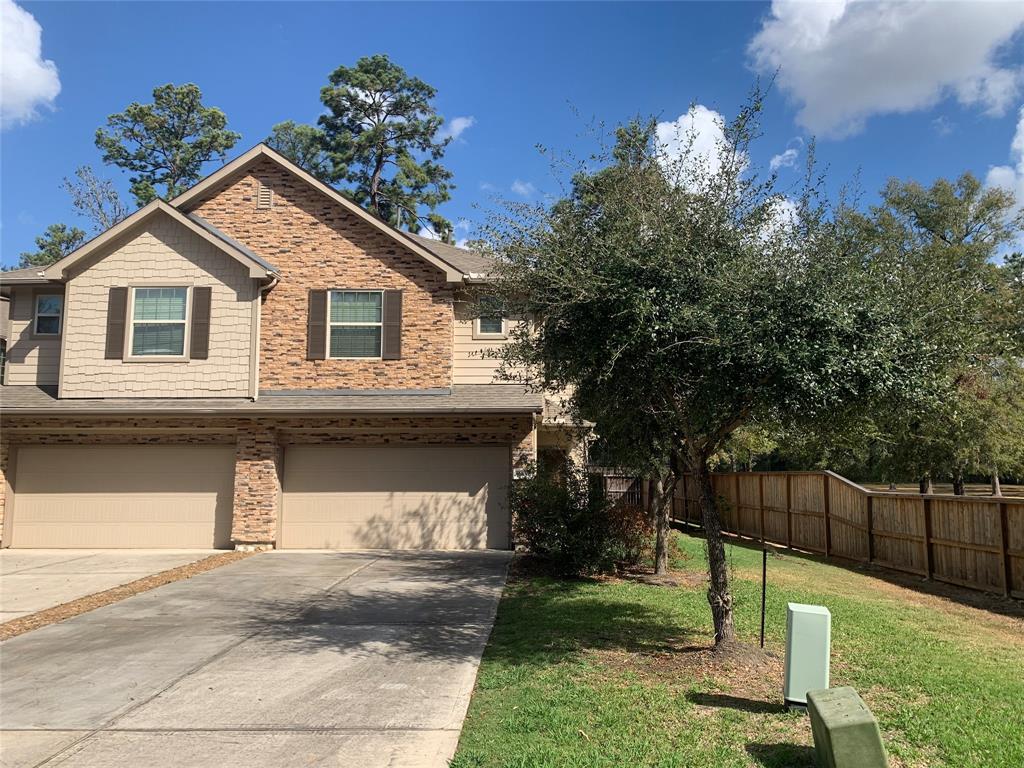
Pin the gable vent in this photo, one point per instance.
(264, 196)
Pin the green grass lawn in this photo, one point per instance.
(616, 672)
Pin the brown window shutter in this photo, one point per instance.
(316, 326)
(391, 340)
(22, 304)
(199, 343)
(117, 314)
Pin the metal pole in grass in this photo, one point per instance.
(764, 582)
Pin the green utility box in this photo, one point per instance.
(845, 732)
(808, 643)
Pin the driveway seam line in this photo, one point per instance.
(47, 565)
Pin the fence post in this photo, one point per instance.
(760, 502)
(827, 505)
(926, 508)
(871, 525)
(1004, 545)
(789, 511)
(737, 523)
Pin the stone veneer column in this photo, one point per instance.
(524, 453)
(257, 487)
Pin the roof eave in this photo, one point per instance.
(242, 413)
(57, 272)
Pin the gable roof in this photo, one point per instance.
(474, 265)
(258, 268)
(240, 164)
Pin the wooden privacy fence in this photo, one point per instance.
(971, 541)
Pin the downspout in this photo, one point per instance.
(254, 338)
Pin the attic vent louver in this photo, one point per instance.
(264, 196)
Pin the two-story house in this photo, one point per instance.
(259, 362)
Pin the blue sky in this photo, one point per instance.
(935, 92)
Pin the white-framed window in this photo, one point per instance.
(158, 324)
(355, 320)
(49, 308)
(491, 323)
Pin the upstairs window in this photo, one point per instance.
(491, 322)
(48, 314)
(355, 321)
(158, 322)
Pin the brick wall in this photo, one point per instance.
(260, 444)
(317, 244)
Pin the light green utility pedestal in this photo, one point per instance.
(845, 732)
(808, 642)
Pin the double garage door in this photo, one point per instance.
(334, 497)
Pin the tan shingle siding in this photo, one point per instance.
(469, 365)
(31, 359)
(164, 251)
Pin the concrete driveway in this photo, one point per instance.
(283, 659)
(36, 579)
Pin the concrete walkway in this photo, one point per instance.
(35, 579)
(311, 659)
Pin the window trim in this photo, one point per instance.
(35, 315)
(130, 321)
(483, 335)
(330, 324)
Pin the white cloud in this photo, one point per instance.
(428, 233)
(845, 60)
(463, 225)
(943, 126)
(523, 188)
(691, 145)
(1011, 177)
(455, 127)
(785, 214)
(27, 81)
(786, 160)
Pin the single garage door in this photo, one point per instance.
(123, 496)
(395, 497)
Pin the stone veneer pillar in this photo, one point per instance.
(257, 487)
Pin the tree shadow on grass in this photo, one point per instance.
(782, 755)
(739, 703)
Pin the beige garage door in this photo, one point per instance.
(123, 496)
(396, 497)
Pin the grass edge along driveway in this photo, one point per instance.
(612, 672)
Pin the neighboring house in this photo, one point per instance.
(259, 362)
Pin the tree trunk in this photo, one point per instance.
(664, 491)
(652, 501)
(892, 485)
(997, 490)
(958, 484)
(719, 596)
(925, 485)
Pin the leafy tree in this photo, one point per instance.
(381, 136)
(167, 142)
(53, 245)
(95, 198)
(303, 145)
(689, 298)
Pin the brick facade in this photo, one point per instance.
(317, 244)
(260, 444)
